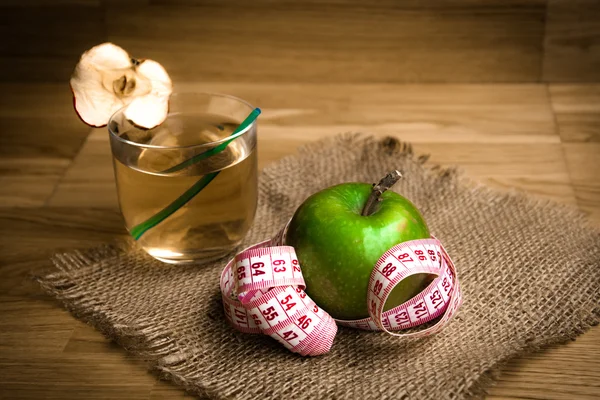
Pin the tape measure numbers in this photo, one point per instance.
(263, 292)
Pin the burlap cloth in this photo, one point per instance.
(528, 269)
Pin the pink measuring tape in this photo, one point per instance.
(263, 292)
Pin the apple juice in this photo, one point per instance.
(217, 218)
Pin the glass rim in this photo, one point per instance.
(189, 146)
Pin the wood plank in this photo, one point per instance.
(538, 170)
(46, 3)
(41, 351)
(577, 111)
(59, 388)
(87, 341)
(41, 326)
(383, 4)
(506, 136)
(553, 373)
(336, 42)
(41, 135)
(54, 379)
(89, 182)
(583, 161)
(38, 100)
(503, 166)
(28, 182)
(163, 390)
(33, 320)
(30, 235)
(44, 43)
(572, 41)
(453, 113)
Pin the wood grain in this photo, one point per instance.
(27, 182)
(89, 182)
(41, 327)
(336, 42)
(44, 43)
(316, 68)
(39, 138)
(553, 373)
(500, 134)
(577, 111)
(572, 41)
(584, 166)
(506, 136)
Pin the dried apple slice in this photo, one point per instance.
(106, 78)
(150, 110)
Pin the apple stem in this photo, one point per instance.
(375, 197)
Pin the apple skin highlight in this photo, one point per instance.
(337, 247)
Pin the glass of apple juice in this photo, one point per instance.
(187, 188)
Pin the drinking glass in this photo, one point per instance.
(187, 188)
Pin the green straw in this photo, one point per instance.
(138, 230)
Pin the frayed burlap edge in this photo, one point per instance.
(160, 350)
(155, 347)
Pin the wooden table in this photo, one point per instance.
(488, 98)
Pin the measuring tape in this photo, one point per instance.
(263, 292)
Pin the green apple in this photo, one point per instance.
(337, 247)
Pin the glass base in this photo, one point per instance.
(199, 257)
